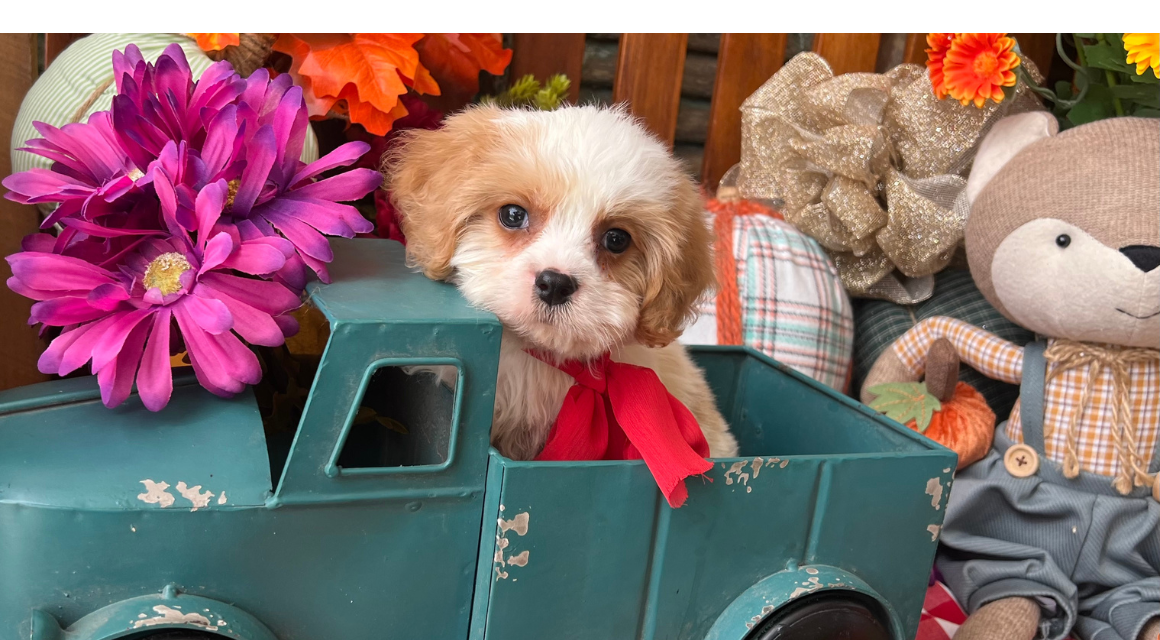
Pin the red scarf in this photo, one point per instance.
(619, 411)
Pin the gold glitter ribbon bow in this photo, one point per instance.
(1067, 355)
(869, 165)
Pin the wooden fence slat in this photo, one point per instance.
(1040, 47)
(54, 43)
(648, 77)
(744, 63)
(915, 48)
(20, 347)
(546, 54)
(848, 52)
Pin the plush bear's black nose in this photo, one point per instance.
(554, 287)
(1144, 257)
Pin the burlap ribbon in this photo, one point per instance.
(1066, 355)
(869, 165)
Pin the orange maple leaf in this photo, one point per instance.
(359, 76)
(455, 59)
(216, 41)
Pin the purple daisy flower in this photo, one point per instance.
(121, 321)
(159, 103)
(274, 193)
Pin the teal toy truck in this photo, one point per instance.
(188, 524)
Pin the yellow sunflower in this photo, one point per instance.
(1143, 51)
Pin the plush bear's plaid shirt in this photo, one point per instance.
(1002, 360)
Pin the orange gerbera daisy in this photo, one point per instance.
(978, 65)
(939, 43)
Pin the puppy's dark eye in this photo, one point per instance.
(616, 240)
(1063, 240)
(513, 216)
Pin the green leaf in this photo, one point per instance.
(905, 401)
(1064, 90)
(1144, 112)
(1148, 96)
(1102, 56)
(1145, 78)
(1096, 105)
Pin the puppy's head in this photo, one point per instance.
(575, 227)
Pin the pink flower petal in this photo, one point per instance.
(216, 251)
(260, 155)
(319, 214)
(155, 378)
(207, 358)
(219, 140)
(344, 187)
(287, 324)
(209, 314)
(107, 296)
(305, 238)
(61, 312)
(116, 378)
(256, 258)
(210, 202)
(269, 297)
(49, 362)
(52, 272)
(255, 327)
(115, 337)
(342, 156)
(81, 350)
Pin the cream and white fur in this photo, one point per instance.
(577, 172)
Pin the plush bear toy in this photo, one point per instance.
(1055, 531)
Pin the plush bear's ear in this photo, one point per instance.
(1007, 138)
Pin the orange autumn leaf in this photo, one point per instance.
(216, 41)
(359, 76)
(455, 59)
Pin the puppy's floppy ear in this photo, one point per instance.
(1006, 139)
(425, 174)
(679, 254)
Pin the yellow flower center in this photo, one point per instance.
(136, 174)
(233, 185)
(986, 64)
(165, 271)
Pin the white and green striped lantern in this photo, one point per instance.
(80, 82)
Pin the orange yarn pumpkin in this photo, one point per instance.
(965, 425)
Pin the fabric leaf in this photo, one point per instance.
(455, 59)
(359, 76)
(216, 41)
(905, 401)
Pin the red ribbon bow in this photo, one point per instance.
(619, 411)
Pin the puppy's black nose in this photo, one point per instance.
(554, 287)
(1145, 258)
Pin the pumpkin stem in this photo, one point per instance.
(942, 369)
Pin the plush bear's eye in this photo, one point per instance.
(1063, 240)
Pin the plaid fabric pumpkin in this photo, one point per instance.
(792, 304)
(878, 323)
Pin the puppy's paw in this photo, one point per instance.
(446, 375)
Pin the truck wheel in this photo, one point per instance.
(823, 617)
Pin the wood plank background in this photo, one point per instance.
(19, 345)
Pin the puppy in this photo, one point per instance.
(580, 232)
